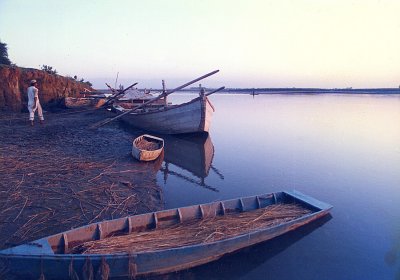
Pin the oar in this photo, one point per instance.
(112, 90)
(214, 91)
(97, 125)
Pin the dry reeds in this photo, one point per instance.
(196, 231)
(59, 176)
(143, 144)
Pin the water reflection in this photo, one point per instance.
(392, 256)
(342, 149)
(189, 153)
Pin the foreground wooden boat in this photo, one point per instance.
(147, 147)
(57, 256)
(191, 117)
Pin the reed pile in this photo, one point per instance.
(143, 144)
(196, 231)
(60, 175)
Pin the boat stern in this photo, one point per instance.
(308, 200)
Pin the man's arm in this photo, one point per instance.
(36, 99)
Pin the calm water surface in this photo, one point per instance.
(341, 149)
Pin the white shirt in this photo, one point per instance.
(32, 93)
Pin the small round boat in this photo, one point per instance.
(147, 147)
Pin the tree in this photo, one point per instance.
(4, 54)
(49, 69)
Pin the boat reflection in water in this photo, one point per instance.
(192, 153)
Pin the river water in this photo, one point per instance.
(341, 149)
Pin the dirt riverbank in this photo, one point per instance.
(62, 175)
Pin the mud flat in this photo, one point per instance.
(62, 175)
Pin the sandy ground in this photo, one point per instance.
(62, 175)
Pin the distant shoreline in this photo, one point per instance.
(307, 90)
(258, 91)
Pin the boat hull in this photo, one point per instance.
(83, 102)
(191, 117)
(36, 257)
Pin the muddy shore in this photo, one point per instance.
(62, 175)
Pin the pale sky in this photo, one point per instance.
(263, 43)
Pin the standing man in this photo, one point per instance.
(33, 102)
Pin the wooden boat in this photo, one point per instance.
(83, 102)
(191, 117)
(147, 147)
(135, 96)
(55, 257)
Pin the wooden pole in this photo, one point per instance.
(97, 125)
(112, 90)
(115, 95)
(116, 79)
(214, 91)
(163, 91)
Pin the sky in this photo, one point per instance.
(254, 43)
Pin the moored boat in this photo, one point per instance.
(119, 247)
(135, 96)
(191, 117)
(147, 147)
(84, 102)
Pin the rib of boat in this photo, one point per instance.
(191, 117)
(147, 147)
(164, 241)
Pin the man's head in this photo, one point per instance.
(33, 82)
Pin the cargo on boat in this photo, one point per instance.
(164, 241)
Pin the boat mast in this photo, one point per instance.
(163, 91)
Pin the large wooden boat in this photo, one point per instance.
(72, 253)
(191, 117)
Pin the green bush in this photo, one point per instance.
(4, 54)
(49, 69)
(82, 80)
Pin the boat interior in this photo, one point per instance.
(64, 242)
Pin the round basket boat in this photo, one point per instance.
(147, 147)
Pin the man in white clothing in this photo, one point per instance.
(33, 102)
